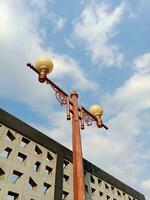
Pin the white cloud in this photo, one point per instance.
(145, 185)
(60, 23)
(41, 6)
(128, 172)
(60, 129)
(69, 43)
(21, 43)
(57, 21)
(119, 149)
(81, 1)
(131, 97)
(126, 108)
(96, 26)
(65, 65)
(116, 150)
(142, 63)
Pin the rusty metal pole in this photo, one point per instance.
(78, 173)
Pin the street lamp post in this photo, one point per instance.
(78, 114)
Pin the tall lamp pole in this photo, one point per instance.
(78, 114)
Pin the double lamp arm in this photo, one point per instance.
(64, 99)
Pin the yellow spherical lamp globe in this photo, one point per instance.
(44, 65)
(96, 110)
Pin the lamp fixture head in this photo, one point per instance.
(96, 110)
(44, 65)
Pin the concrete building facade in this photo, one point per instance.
(35, 167)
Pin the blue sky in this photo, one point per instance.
(99, 48)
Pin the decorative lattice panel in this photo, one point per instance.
(67, 180)
(27, 169)
(97, 189)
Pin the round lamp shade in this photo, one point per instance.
(96, 110)
(44, 64)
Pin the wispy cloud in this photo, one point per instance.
(21, 41)
(57, 21)
(69, 42)
(60, 129)
(126, 108)
(145, 184)
(117, 150)
(96, 27)
(142, 63)
(39, 5)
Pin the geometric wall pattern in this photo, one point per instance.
(31, 171)
(96, 189)
(27, 170)
(99, 189)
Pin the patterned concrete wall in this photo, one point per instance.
(100, 189)
(27, 170)
(67, 180)
(35, 167)
(96, 188)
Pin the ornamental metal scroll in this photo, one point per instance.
(59, 95)
(87, 118)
